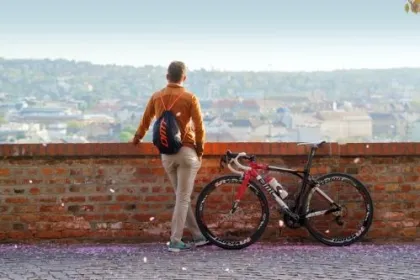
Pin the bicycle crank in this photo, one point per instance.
(290, 222)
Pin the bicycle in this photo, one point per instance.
(296, 214)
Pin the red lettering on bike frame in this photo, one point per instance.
(248, 175)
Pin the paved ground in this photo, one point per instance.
(152, 261)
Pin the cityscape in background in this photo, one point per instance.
(62, 101)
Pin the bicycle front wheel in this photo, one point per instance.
(215, 218)
(339, 215)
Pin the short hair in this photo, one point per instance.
(176, 70)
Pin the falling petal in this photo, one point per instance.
(367, 146)
(62, 204)
(184, 268)
(327, 231)
(152, 218)
(30, 181)
(167, 243)
(227, 269)
(356, 160)
(145, 260)
(112, 190)
(44, 144)
(16, 246)
(178, 114)
(281, 223)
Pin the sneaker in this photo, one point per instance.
(201, 242)
(178, 247)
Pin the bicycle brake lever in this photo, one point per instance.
(223, 161)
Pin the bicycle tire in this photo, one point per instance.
(367, 222)
(225, 244)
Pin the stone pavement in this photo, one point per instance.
(152, 261)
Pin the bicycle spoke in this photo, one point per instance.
(346, 218)
(226, 228)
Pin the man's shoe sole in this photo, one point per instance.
(176, 250)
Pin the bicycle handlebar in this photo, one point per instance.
(236, 161)
(230, 158)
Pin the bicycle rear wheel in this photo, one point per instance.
(213, 209)
(355, 210)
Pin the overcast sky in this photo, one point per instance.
(229, 34)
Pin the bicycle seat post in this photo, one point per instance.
(310, 157)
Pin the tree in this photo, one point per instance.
(74, 127)
(413, 6)
(127, 133)
(126, 136)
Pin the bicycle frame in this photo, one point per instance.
(251, 176)
(251, 172)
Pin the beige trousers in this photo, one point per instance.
(182, 169)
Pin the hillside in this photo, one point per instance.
(82, 80)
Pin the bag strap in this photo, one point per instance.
(173, 103)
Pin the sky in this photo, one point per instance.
(225, 35)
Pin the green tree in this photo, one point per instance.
(74, 125)
(126, 136)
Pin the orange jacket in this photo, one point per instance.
(186, 109)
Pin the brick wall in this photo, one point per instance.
(117, 191)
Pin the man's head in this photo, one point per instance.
(177, 72)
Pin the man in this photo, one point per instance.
(183, 166)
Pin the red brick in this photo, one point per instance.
(27, 218)
(142, 217)
(100, 198)
(92, 217)
(4, 172)
(53, 189)
(48, 234)
(408, 232)
(115, 217)
(16, 235)
(34, 190)
(50, 208)
(406, 188)
(158, 198)
(73, 199)
(16, 200)
(115, 207)
(69, 233)
(25, 208)
(128, 198)
(379, 188)
(46, 199)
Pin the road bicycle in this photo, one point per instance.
(296, 213)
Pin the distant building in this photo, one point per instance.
(45, 115)
(384, 124)
(345, 125)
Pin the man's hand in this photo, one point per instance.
(136, 140)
